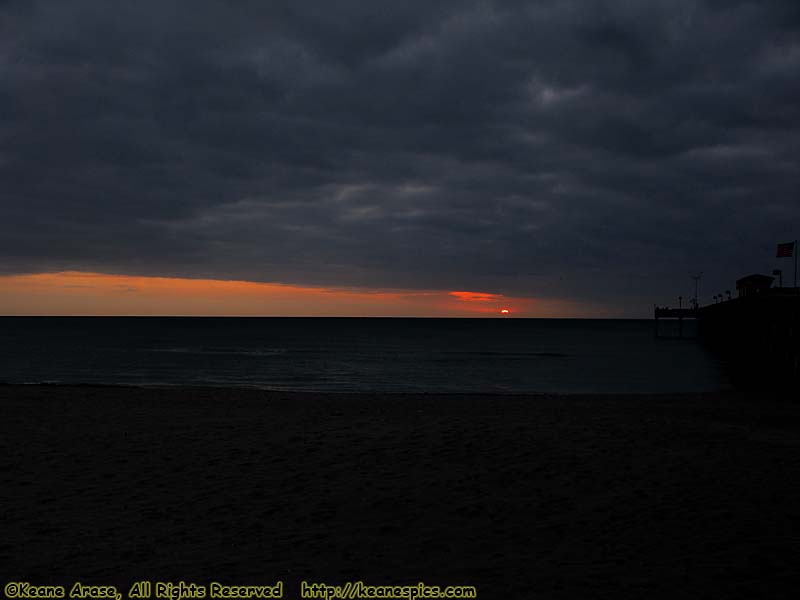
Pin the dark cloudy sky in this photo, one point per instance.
(599, 152)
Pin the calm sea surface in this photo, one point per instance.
(398, 355)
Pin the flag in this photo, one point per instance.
(785, 250)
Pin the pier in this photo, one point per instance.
(673, 315)
(757, 332)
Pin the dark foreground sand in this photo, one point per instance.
(523, 497)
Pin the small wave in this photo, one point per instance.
(512, 354)
(457, 356)
(223, 352)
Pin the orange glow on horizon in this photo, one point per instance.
(82, 293)
(505, 311)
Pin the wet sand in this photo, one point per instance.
(521, 496)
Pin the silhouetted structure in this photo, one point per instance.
(753, 285)
(758, 333)
(675, 315)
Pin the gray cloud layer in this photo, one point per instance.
(597, 151)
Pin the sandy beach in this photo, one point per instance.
(692, 496)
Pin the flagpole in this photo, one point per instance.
(795, 266)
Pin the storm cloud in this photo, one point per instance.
(600, 152)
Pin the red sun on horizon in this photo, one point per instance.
(505, 311)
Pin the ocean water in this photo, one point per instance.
(347, 354)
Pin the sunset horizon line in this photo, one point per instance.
(74, 293)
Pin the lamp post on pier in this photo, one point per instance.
(696, 287)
